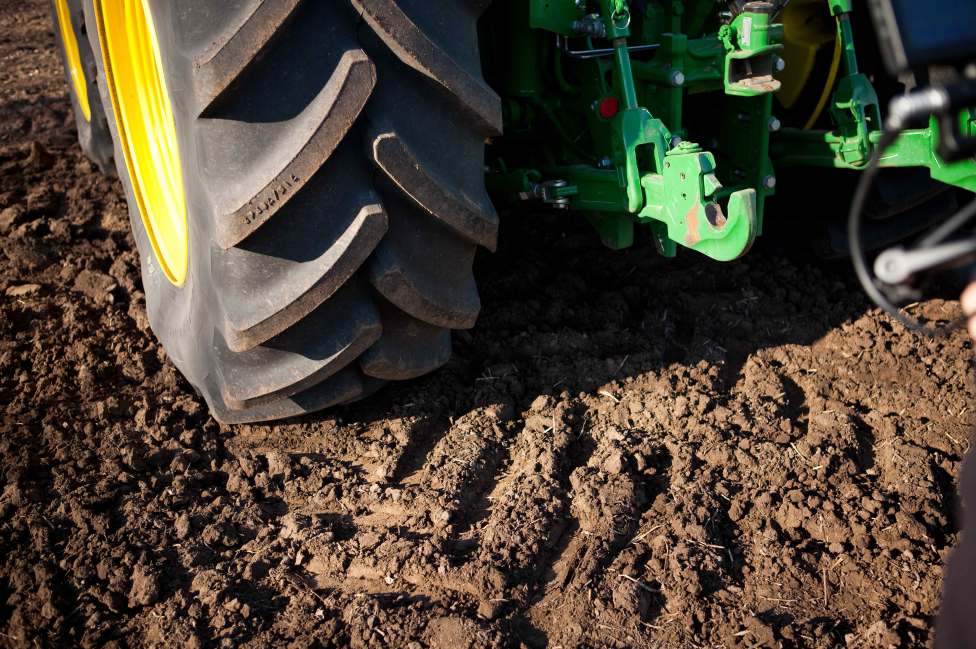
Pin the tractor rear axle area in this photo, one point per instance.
(660, 113)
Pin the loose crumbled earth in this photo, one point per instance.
(626, 451)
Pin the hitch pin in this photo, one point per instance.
(563, 45)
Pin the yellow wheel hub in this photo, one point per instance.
(807, 27)
(74, 60)
(147, 132)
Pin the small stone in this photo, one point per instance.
(640, 461)
(490, 609)
(614, 463)
(236, 483)
(442, 517)
(295, 526)
(11, 217)
(96, 286)
(541, 402)
(182, 526)
(222, 533)
(279, 464)
(145, 587)
(22, 290)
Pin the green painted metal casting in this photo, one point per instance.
(601, 97)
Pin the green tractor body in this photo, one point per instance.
(662, 113)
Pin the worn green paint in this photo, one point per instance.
(682, 199)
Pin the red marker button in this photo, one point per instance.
(608, 108)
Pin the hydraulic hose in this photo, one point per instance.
(854, 226)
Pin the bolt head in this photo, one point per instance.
(779, 64)
(772, 125)
(675, 141)
(677, 78)
(769, 182)
(604, 162)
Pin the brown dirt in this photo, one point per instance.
(625, 452)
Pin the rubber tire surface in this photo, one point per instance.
(93, 135)
(332, 156)
(903, 203)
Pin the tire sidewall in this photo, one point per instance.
(83, 125)
(180, 316)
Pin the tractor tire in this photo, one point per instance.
(904, 203)
(332, 156)
(93, 130)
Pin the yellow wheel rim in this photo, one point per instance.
(133, 67)
(74, 60)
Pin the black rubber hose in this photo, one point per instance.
(854, 226)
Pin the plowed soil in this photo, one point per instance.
(626, 451)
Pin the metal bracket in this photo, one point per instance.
(854, 105)
(554, 192)
(681, 198)
(633, 128)
(749, 65)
